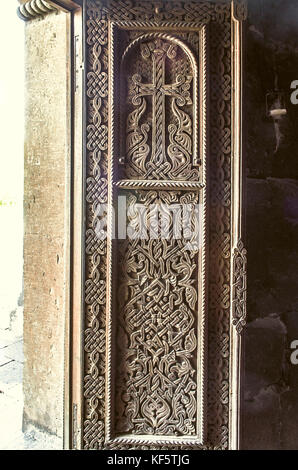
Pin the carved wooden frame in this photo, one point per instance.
(227, 254)
(239, 260)
(200, 81)
(232, 300)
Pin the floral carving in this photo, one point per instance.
(157, 314)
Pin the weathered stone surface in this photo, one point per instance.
(265, 348)
(265, 343)
(270, 390)
(46, 245)
(291, 321)
(288, 418)
(272, 245)
(270, 414)
(261, 421)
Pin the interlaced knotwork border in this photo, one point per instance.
(98, 14)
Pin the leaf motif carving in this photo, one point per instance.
(157, 315)
(156, 409)
(159, 144)
(190, 343)
(191, 296)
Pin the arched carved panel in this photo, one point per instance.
(160, 103)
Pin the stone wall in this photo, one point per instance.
(46, 206)
(270, 411)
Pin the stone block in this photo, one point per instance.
(46, 207)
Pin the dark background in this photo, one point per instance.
(270, 407)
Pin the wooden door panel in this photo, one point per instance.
(159, 314)
(158, 287)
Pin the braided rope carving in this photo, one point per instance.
(34, 9)
(239, 287)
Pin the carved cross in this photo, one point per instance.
(159, 51)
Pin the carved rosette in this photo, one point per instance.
(34, 9)
(239, 287)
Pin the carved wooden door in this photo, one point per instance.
(164, 302)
